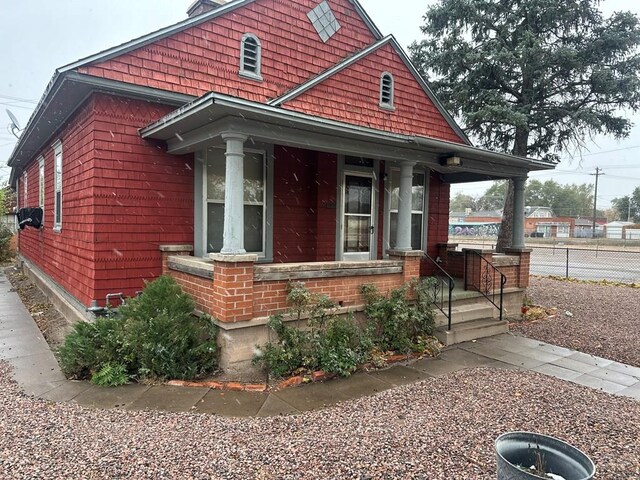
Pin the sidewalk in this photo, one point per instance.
(36, 370)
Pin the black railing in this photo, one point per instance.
(443, 285)
(483, 276)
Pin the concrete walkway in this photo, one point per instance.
(36, 370)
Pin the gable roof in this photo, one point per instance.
(187, 23)
(390, 39)
(68, 75)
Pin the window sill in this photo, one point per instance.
(389, 108)
(250, 76)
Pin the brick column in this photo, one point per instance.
(171, 250)
(233, 287)
(525, 263)
(410, 260)
(473, 271)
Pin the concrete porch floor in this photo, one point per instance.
(37, 372)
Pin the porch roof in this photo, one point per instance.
(200, 124)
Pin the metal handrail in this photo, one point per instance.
(488, 276)
(446, 281)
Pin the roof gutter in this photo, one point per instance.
(243, 107)
(480, 153)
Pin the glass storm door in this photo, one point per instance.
(357, 231)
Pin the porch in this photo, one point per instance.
(241, 293)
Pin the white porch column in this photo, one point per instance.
(517, 239)
(403, 235)
(233, 233)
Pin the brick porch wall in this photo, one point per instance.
(241, 291)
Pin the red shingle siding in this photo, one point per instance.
(206, 57)
(353, 95)
(67, 257)
(326, 212)
(294, 205)
(143, 197)
(438, 218)
(121, 198)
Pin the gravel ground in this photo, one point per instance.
(437, 429)
(605, 318)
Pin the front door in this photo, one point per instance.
(357, 217)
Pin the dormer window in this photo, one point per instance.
(386, 91)
(250, 57)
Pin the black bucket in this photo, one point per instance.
(524, 448)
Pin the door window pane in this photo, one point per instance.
(357, 235)
(358, 195)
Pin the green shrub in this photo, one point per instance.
(341, 347)
(111, 375)
(153, 336)
(292, 351)
(397, 321)
(6, 251)
(336, 344)
(89, 345)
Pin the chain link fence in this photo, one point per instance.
(586, 263)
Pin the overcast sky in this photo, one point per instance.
(37, 36)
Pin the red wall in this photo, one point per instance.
(326, 206)
(67, 257)
(294, 205)
(207, 57)
(143, 197)
(121, 198)
(353, 95)
(438, 217)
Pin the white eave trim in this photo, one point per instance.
(247, 107)
(190, 22)
(153, 36)
(367, 19)
(436, 102)
(309, 84)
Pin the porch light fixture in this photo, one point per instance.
(453, 161)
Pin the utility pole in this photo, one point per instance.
(595, 200)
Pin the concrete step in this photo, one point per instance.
(467, 313)
(472, 330)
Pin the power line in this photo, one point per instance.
(16, 106)
(602, 152)
(17, 99)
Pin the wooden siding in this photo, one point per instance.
(353, 95)
(206, 57)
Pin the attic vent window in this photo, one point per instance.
(324, 21)
(250, 57)
(386, 91)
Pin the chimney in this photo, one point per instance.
(201, 6)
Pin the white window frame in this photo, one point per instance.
(388, 210)
(387, 105)
(257, 74)
(41, 185)
(58, 170)
(266, 186)
(25, 189)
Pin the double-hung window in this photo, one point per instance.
(417, 209)
(25, 190)
(254, 200)
(57, 186)
(41, 185)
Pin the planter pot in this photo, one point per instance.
(524, 448)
